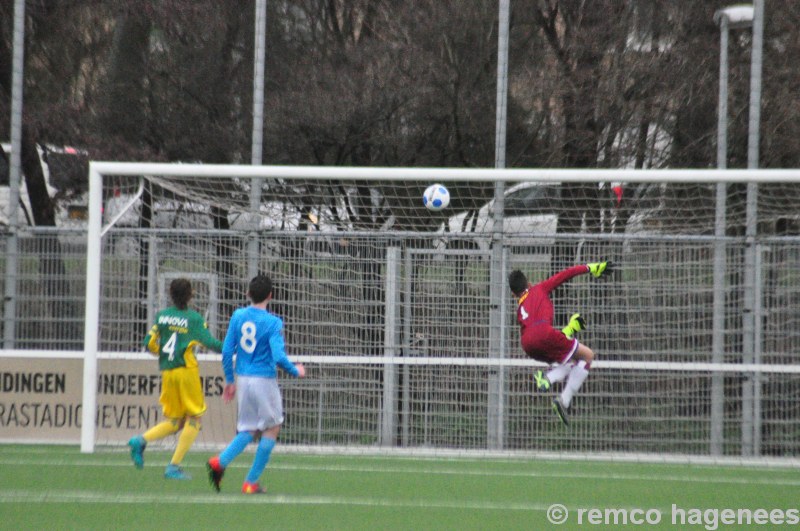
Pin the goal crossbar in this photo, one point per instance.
(446, 174)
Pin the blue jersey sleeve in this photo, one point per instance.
(278, 348)
(229, 348)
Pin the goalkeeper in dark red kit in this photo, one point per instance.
(569, 358)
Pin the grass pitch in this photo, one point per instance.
(57, 487)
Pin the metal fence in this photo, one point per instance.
(331, 290)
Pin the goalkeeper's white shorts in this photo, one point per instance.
(260, 403)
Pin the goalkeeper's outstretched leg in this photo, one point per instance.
(575, 371)
(557, 373)
(577, 375)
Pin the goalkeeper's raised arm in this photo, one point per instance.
(597, 270)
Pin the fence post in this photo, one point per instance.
(758, 314)
(497, 375)
(390, 343)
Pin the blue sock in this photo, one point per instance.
(236, 446)
(265, 447)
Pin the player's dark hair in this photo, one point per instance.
(180, 291)
(260, 288)
(518, 282)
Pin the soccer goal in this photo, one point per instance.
(403, 316)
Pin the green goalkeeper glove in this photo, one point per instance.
(576, 324)
(599, 269)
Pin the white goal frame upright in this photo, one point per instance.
(98, 169)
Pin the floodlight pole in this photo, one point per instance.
(497, 335)
(258, 134)
(735, 17)
(14, 179)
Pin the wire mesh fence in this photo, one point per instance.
(331, 293)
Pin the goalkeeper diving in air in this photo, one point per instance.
(570, 359)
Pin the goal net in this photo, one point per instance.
(405, 322)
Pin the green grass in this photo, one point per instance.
(57, 487)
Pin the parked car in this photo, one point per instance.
(530, 219)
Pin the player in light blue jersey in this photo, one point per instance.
(255, 337)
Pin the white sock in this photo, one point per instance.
(576, 377)
(558, 373)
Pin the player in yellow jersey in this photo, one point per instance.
(173, 338)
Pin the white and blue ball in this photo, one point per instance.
(436, 197)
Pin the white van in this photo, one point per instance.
(530, 218)
(23, 207)
(65, 170)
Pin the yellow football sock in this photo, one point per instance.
(188, 435)
(161, 430)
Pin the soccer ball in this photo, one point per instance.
(436, 197)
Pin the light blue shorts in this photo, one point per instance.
(260, 403)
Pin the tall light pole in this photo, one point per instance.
(733, 17)
(729, 18)
(256, 156)
(15, 178)
(497, 291)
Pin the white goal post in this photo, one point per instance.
(494, 372)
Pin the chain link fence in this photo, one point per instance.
(331, 292)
